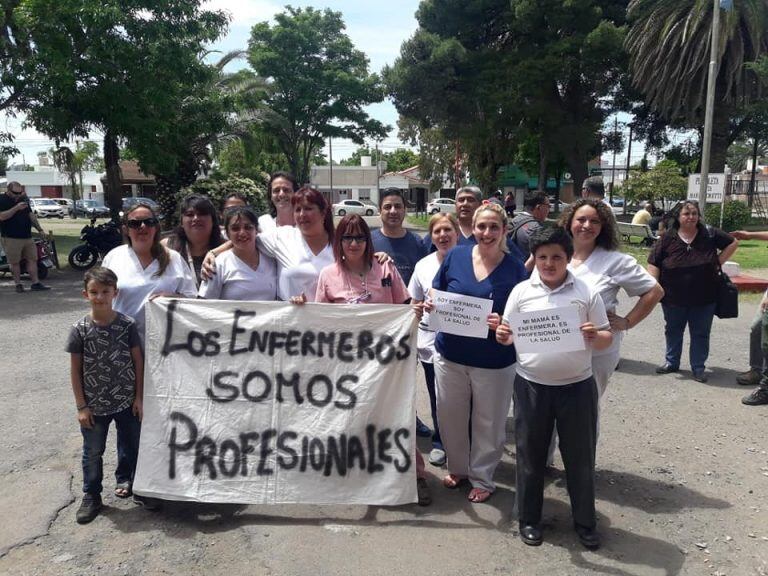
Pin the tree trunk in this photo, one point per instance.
(542, 186)
(721, 136)
(576, 160)
(114, 195)
(169, 186)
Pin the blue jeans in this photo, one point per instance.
(95, 441)
(699, 322)
(429, 376)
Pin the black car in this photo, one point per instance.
(91, 209)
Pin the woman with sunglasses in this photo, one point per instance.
(243, 273)
(145, 268)
(356, 277)
(197, 233)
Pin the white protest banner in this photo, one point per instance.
(459, 314)
(550, 331)
(268, 402)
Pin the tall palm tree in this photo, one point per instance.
(668, 43)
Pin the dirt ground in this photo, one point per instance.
(682, 483)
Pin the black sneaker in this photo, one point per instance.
(588, 537)
(422, 429)
(39, 287)
(89, 508)
(19, 288)
(758, 397)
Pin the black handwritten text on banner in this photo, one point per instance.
(265, 402)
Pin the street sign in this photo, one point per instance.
(715, 189)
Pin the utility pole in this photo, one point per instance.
(706, 148)
(378, 174)
(613, 165)
(330, 167)
(626, 174)
(457, 166)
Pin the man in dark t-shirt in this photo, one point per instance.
(16, 221)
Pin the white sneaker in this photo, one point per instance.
(437, 457)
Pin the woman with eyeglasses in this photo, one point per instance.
(197, 233)
(243, 273)
(356, 277)
(145, 268)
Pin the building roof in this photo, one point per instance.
(132, 174)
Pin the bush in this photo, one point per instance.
(736, 215)
(217, 189)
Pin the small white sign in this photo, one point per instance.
(550, 331)
(460, 315)
(715, 188)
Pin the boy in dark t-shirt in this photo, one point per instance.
(107, 376)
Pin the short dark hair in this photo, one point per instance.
(237, 195)
(352, 223)
(551, 235)
(101, 275)
(535, 199)
(594, 185)
(240, 213)
(275, 175)
(390, 192)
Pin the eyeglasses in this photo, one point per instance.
(17, 192)
(350, 239)
(148, 222)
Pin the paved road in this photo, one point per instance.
(682, 484)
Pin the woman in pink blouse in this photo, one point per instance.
(356, 277)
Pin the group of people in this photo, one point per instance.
(295, 254)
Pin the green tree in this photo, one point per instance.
(437, 154)
(121, 68)
(319, 84)
(492, 73)
(397, 160)
(662, 182)
(217, 189)
(669, 46)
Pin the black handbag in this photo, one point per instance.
(727, 302)
(727, 299)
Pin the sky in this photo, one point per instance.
(376, 28)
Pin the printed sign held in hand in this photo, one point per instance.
(460, 315)
(550, 331)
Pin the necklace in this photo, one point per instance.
(364, 294)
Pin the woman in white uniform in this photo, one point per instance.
(243, 273)
(443, 234)
(145, 268)
(301, 251)
(282, 186)
(597, 261)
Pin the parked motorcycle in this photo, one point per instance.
(47, 258)
(97, 241)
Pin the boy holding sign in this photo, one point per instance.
(554, 386)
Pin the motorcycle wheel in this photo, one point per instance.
(82, 257)
(42, 271)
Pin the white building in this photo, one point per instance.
(47, 182)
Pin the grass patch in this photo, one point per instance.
(66, 234)
(419, 221)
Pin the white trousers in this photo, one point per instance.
(603, 367)
(485, 395)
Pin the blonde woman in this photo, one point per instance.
(474, 376)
